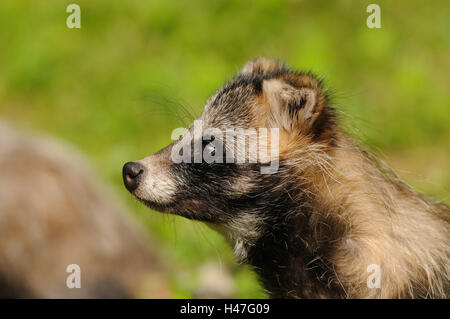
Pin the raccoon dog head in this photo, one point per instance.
(236, 159)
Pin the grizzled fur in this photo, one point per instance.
(312, 229)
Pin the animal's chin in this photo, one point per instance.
(173, 208)
(163, 208)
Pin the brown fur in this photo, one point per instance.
(376, 217)
(312, 228)
(53, 213)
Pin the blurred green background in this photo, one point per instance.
(112, 88)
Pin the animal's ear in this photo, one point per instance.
(298, 104)
(261, 66)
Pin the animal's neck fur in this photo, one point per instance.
(289, 260)
(319, 241)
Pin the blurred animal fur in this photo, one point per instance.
(313, 229)
(53, 213)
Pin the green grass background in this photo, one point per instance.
(112, 87)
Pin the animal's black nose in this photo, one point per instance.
(132, 172)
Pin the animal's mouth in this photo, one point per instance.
(179, 210)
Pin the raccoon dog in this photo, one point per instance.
(330, 221)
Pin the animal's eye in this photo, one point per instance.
(209, 148)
